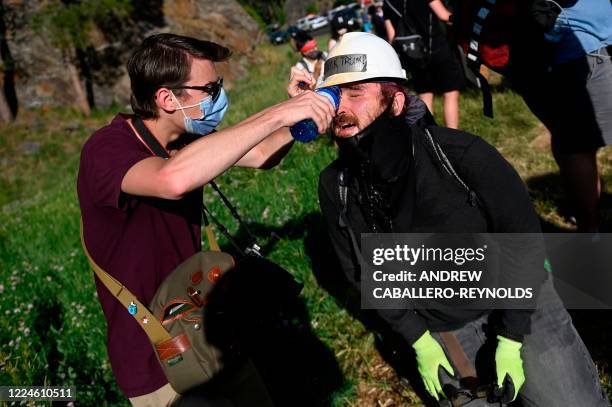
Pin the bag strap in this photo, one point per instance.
(233, 211)
(252, 246)
(343, 220)
(222, 229)
(446, 164)
(388, 3)
(473, 56)
(157, 149)
(408, 21)
(304, 64)
(149, 139)
(403, 16)
(149, 323)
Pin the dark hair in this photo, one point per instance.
(301, 38)
(164, 60)
(388, 91)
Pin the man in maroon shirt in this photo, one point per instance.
(141, 212)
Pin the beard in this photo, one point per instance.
(345, 125)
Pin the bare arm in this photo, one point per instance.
(440, 10)
(390, 31)
(269, 152)
(206, 158)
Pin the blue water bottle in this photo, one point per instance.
(307, 130)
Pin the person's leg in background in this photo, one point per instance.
(451, 109)
(583, 187)
(574, 102)
(428, 98)
(447, 78)
(587, 100)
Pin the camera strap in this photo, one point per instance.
(252, 247)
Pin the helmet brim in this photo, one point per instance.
(352, 77)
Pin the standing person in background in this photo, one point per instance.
(572, 96)
(378, 21)
(339, 26)
(440, 71)
(312, 58)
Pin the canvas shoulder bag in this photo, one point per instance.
(173, 321)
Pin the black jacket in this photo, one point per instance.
(441, 204)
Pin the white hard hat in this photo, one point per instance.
(359, 56)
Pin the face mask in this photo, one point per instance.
(212, 114)
(383, 147)
(314, 54)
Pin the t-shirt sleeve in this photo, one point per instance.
(390, 14)
(405, 322)
(107, 159)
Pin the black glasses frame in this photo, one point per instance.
(212, 88)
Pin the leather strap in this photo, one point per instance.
(344, 223)
(152, 327)
(172, 347)
(212, 239)
(457, 355)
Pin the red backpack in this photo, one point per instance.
(504, 35)
(484, 30)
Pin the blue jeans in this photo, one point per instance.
(558, 368)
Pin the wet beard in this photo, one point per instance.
(380, 157)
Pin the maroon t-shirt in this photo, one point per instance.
(138, 240)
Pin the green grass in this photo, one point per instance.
(51, 327)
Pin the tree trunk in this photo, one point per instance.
(75, 78)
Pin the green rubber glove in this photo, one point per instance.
(508, 362)
(429, 357)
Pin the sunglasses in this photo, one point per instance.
(212, 88)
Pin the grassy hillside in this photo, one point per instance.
(51, 328)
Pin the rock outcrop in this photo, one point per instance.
(40, 77)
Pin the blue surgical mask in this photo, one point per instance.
(212, 114)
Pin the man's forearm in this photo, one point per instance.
(269, 152)
(206, 158)
(390, 31)
(440, 10)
